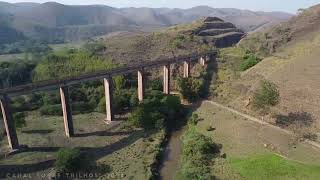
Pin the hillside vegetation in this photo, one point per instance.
(291, 50)
(273, 39)
(199, 36)
(253, 151)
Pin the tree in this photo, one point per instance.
(156, 111)
(69, 160)
(190, 88)
(57, 66)
(249, 60)
(266, 95)
(15, 73)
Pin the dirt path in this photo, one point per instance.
(251, 118)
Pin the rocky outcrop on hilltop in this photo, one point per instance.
(219, 33)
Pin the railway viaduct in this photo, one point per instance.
(63, 85)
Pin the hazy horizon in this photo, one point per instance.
(270, 6)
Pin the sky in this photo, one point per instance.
(290, 6)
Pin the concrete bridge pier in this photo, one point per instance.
(9, 122)
(67, 111)
(141, 90)
(166, 79)
(186, 69)
(108, 89)
(202, 61)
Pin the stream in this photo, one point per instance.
(171, 158)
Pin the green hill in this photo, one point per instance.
(291, 50)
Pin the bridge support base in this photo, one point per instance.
(67, 111)
(141, 90)
(108, 89)
(166, 79)
(9, 122)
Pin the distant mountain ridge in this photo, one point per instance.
(56, 22)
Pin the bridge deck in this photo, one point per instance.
(54, 84)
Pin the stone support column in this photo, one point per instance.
(186, 69)
(166, 79)
(67, 111)
(9, 122)
(108, 89)
(141, 90)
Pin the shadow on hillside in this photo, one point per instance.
(302, 119)
(93, 153)
(211, 69)
(45, 131)
(103, 133)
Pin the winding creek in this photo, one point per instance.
(171, 158)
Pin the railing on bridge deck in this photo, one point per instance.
(106, 75)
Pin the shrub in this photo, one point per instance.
(191, 172)
(51, 110)
(155, 111)
(266, 95)
(141, 117)
(156, 84)
(81, 107)
(190, 88)
(194, 119)
(19, 104)
(134, 101)
(51, 98)
(249, 61)
(101, 108)
(34, 101)
(198, 151)
(69, 160)
(122, 99)
(19, 120)
(199, 146)
(177, 43)
(171, 106)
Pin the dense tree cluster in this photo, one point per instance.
(197, 153)
(35, 48)
(69, 160)
(266, 95)
(156, 111)
(194, 88)
(15, 73)
(249, 60)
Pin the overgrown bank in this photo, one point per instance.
(129, 149)
(198, 153)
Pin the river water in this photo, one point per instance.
(171, 158)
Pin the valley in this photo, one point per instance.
(96, 92)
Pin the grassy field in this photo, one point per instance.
(294, 69)
(9, 57)
(55, 47)
(271, 166)
(128, 152)
(255, 151)
(59, 47)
